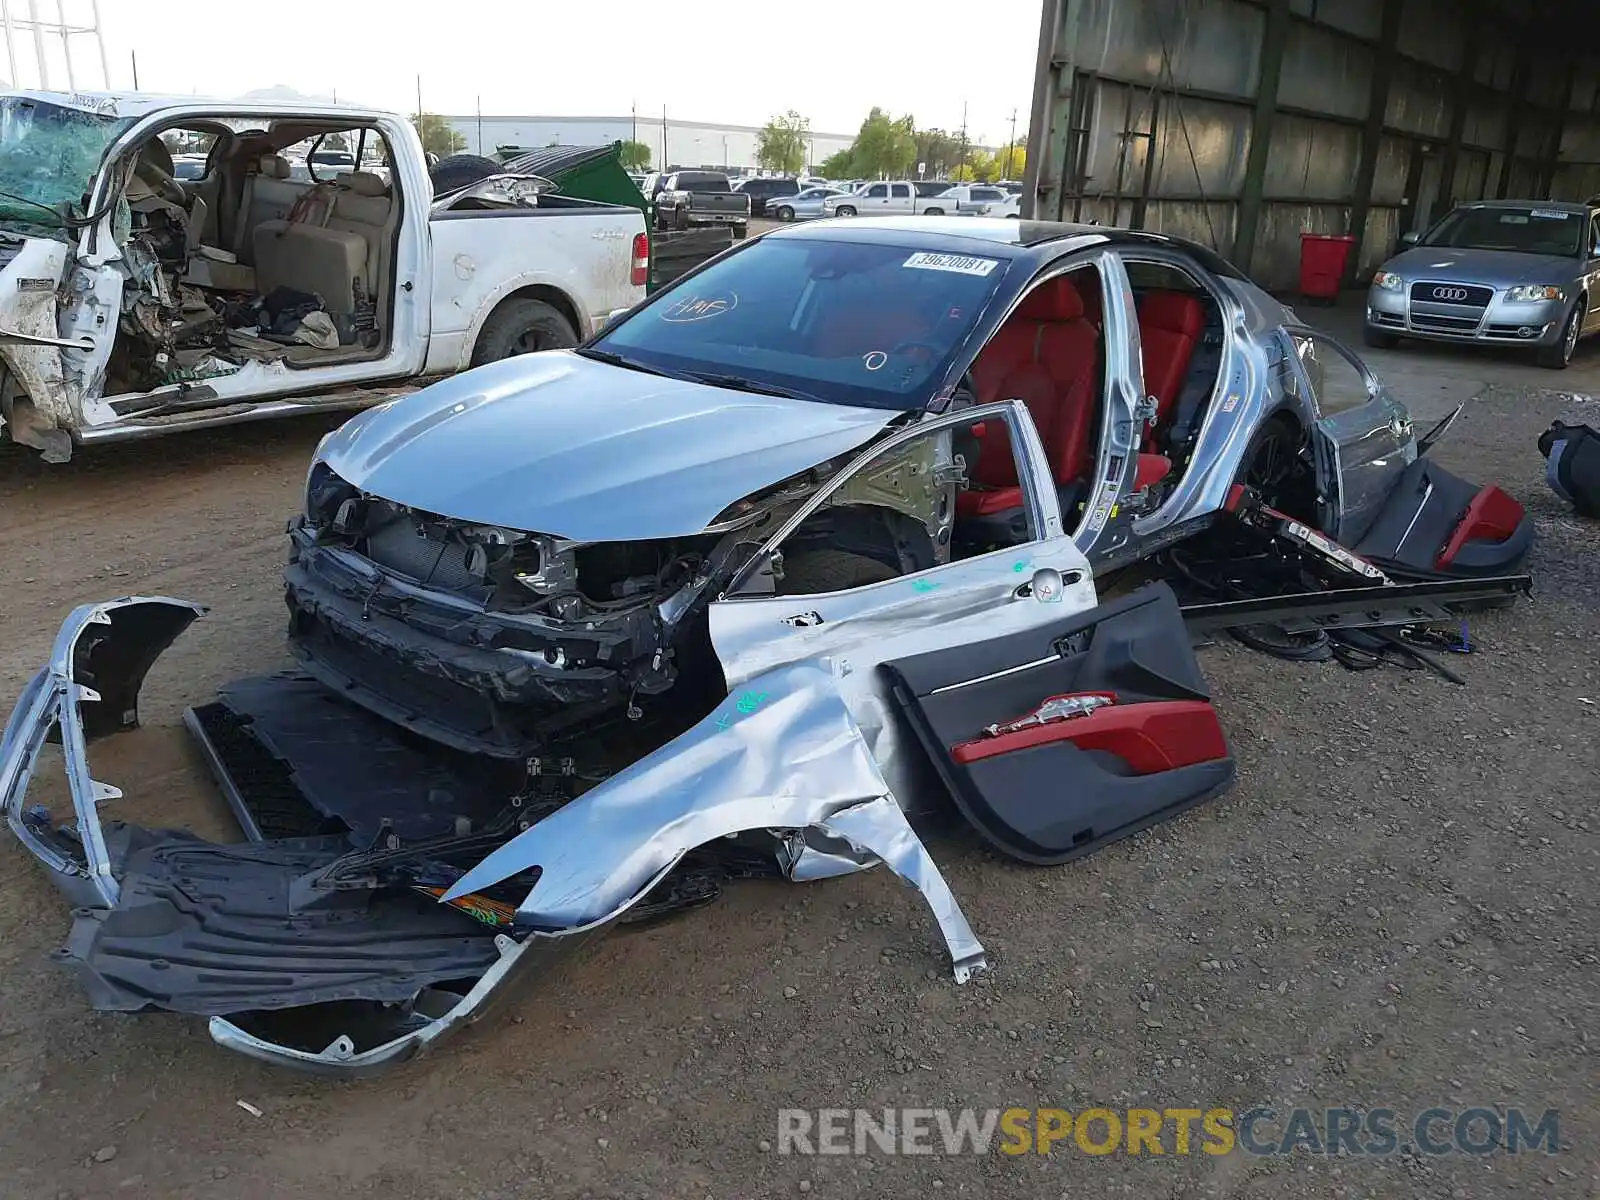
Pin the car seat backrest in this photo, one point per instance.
(1069, 349)
(1170, 326)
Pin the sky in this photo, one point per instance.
(831, 62)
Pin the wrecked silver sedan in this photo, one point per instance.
(798, 555)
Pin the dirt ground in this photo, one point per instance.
(1395, 907)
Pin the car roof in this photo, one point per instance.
(1037, 240)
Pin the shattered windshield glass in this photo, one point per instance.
(48, 157)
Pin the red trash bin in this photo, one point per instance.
(1323, 258)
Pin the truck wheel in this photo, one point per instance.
(740, 232)
(933, 212)
(812, 572)
(844, 210)
(785, 213)
(522, 326)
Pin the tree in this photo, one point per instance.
(884, 146)
(781, 143)
(336, 141)
(635, 156)
(1012, 162)
(438, 135)
(840, 165)
(937, 151)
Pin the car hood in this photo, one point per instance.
(558, 444)
(1499, 268)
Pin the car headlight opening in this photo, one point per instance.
(1388, 281)
(1529, 293)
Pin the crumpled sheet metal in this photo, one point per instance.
(781, 753)
(116, 641)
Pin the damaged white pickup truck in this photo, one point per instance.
(133, 303)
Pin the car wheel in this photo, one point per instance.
(1558, 356)
(812, 572)
(785, 213)
(844, 210)
(522, 326)
(933, 212)
(1378, 339)
(1272, 466)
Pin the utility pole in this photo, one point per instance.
(1011, 143)
(419, 105)
(479, 102)
(633, 110)
(663, 137)
(963, 161)
(134, 55)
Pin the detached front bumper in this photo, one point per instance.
(315, 953)
(1500, 322)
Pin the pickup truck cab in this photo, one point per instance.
(134, 302)
(967, 199)
(692, 199)
(886, 198)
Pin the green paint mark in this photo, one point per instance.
(751, 701)
(1020, 567)
(924, 585)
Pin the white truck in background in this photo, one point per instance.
(134, 302)
(889, 198)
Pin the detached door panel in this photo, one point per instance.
(1060, 739)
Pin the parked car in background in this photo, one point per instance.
(199, 334)
(764, 190)
(807, 206)
(189, 167)
(886, 198)
(1495, 272)
(695, 199)
(965, 199)
(1011, 206)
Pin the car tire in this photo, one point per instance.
(844, 210)
(1559, 356)
(522, 326)
(1378, 339)
(813, 572)
(933, 212)
(785, 213)
(1270, 457)
(456, 171)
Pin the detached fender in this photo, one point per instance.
(782, 754)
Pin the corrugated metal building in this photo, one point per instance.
(1240, 123)
(677, 143)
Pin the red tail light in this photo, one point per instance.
(640, 275)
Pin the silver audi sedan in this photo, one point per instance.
(1501, 272)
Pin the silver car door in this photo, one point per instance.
(1043, 580)
(1362, 439)
(1592, 276)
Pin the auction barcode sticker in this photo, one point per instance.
(927, 261)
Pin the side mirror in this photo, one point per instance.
(1410, 239)
(615, 315)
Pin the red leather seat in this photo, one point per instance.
(1046, 355)
(1170, 327)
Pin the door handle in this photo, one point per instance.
(803, 620)
(1047, 586)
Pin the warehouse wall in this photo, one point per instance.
(1168, 106)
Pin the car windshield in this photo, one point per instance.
(845, 322)
(48, 158)
(1530, 230)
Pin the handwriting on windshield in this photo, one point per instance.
(699, 308)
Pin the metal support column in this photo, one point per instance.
(1372, 134)
(1248, 218)
(1521, 77)
(1460, 102)
(1551, 159)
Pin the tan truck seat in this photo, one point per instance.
(329, 258)
(268, 195)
